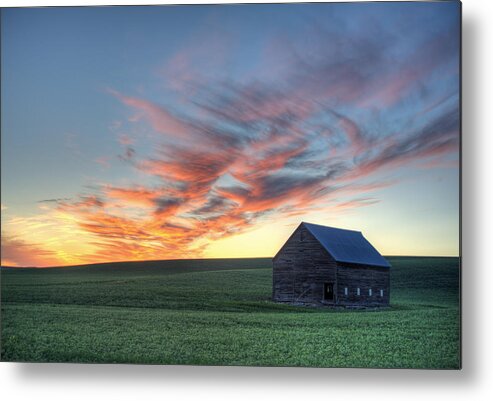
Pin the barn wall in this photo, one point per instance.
(301, 268)
(365, 278)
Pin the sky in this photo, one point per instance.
(165, 132)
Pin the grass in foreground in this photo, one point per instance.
(218, 312)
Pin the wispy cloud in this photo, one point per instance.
(54, 200)
(17, 252)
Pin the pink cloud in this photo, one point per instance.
(161, 119)
(125, 140)
(16, 252)
(103, 161)
(191, 205)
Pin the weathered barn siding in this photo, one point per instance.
(301, 268)
(365, 278)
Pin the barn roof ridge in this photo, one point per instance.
(347, 246)
(335, 228)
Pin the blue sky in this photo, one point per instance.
(184, 131)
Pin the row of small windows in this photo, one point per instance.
(358, 292)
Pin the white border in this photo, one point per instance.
(126, 382)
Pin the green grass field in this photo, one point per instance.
(218, 312)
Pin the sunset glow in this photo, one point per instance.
(191, 132)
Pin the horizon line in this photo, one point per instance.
(195, 259)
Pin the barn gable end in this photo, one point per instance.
(300, 269)
(317, 266)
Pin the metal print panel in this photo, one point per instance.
(253, 185)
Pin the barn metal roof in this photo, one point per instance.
(347, 245)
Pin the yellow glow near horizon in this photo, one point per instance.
(60, 241)
(51, 238)
(264, 241)
(387, 237)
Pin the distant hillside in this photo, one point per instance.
(189, 264)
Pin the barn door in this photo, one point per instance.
(328, 291)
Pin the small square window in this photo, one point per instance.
(369, 292)
(381, 293)
(358, 291)
(345, 291)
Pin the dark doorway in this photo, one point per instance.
(328, 291)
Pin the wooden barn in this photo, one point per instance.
(321, 265)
